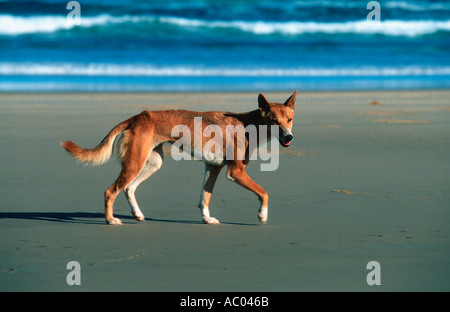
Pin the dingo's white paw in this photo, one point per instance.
(139, 217)
(114, 221)
(262, 215)
(210, 220)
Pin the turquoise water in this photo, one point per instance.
(223, 45)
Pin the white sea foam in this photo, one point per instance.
(147, 70)
(18, 25)
(388, 27)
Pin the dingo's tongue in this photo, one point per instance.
(287, 143)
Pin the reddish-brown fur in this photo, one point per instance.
(144, 133)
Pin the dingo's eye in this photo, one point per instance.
(289, 119)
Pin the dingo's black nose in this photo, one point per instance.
(289, 137)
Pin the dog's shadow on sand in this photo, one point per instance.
(89, 218)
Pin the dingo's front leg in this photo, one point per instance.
(211, 173)
(236, 172)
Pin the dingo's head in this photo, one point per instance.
(281, 115)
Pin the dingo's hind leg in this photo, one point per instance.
(138, 147)
(153, 163)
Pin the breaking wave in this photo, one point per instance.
(20, 25)
(146, 70)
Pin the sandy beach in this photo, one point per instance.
(365, 179)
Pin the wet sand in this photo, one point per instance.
(365, 179)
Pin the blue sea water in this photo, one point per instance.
(217, 45)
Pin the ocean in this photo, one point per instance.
(216, 45)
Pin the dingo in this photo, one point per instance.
(141, 155)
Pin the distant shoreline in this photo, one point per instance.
(44, 83)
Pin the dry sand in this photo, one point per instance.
(361, 182)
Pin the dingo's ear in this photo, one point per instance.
(291, 100)
(263, 104)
